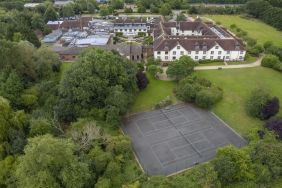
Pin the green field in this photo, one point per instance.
(255, 28)
(237, 85)
(155, 91)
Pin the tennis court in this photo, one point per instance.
(177, 137)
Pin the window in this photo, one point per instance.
(216, 47)
(139, 29)
(158, 52)
(204, 52)
(196, 57)
(174, 52)
(178, 47)
(158, 57)
(228, 52)
(125, 30)
(166, 53)
(218, 57)
(204, 57)
(241, 52)
(182, 53)
(144, 29)
(173, 57)
(240, 57)
(211, 57)
(219, 52)
(212, 52)
(189, 52)
(166, 57)
(197, 52)
(120, 29)
(227, 57)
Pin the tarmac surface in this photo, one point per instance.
(175, 138)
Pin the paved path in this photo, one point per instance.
(257, 63)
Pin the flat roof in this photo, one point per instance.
(93, 40)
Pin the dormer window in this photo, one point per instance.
(216, 47)
(178, 47)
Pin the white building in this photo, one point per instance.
(131, 26)
(200, 41)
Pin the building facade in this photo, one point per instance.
(131, 26)
(199, 40)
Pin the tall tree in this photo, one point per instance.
(50, 162)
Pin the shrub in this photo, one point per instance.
(163, 103)
(275, 125)
(198, 90)
(233, 165)
(206, 98)
(154, 70)
(270, 61)
(269, 155)
(142, 80)
(255, 103)
(270, 109)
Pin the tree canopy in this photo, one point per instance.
(100, 80)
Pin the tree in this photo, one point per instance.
(98, 75)
(12, 126)
(53, 166)
(37, 22)
(11, 87)
(181, 68)
(256, 101)
(165, 9)
(68, 10)
(270, 61)
(269, 155)
(7, 167)
(233, 165)
(50, 14)
(200, 176)
(181, 17)
(46, 63)
(256, 7)
(117, 4)
(142, 80)
(40, 127)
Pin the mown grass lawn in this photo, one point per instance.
(155, 91)
(255, 28)
(237, 85)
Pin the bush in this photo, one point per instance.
(206, 98)
(154, 70)
(270, 61)
(257, 100)
(198, 90)
(269, 155)
(163, 103)
(270, 109)
(142, 80)
(233, 165)
(275, 125)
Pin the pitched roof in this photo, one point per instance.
(193, 44)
